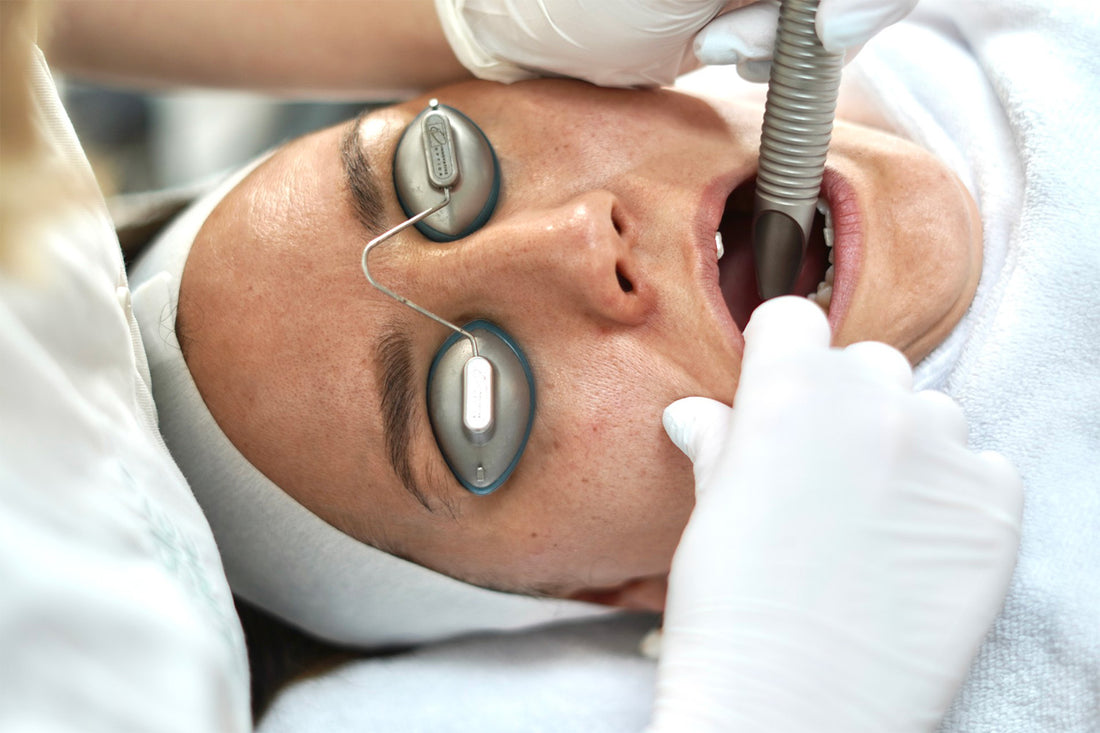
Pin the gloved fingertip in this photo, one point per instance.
(741, 35)
(884, 361)
(690, 420)
(756, 71)
(942, 414)
(785, 324)
(839, 37)
(710, 49)
(1010, 486)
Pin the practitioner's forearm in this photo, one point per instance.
(298, 47)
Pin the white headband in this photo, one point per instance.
(277, 554)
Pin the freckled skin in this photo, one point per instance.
(597, 184)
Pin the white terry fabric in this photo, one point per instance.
(1008, 94)
(277, 554)
(549, 680)
(115, 614)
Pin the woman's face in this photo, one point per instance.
(599, 261)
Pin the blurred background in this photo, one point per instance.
(141, 142)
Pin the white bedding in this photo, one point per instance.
(582, 677)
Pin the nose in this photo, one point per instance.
(583, 250)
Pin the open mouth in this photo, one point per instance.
(736, 272)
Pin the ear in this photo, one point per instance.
(640, 594)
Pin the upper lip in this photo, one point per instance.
(711, 208)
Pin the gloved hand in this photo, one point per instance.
(746, 36)
(847, 553)
(607, 42)
(637, 42)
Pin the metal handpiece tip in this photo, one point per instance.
(777, 244)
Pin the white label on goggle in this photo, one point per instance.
(439, 148)
(477, 395)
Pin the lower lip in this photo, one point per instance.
(847, 243)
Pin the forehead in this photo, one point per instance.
(548, 110)
(554, 137)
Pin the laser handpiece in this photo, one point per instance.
(798, 122)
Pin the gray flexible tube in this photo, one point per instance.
(798, 123)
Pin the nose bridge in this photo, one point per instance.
(575, 255)
(584, 247)
(584, 234)
(581, 233)
(594, 226)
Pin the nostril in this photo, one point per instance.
(616, 219)
(624, 282)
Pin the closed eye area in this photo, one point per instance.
(402, 415)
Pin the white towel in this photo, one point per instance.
(587, 678)
(1010, 95)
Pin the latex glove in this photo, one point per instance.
(746, 36)
(847, 553)
(638, 42)
(607, 42)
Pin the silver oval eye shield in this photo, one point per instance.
(482, 435)
(481, 393)
(443, 150)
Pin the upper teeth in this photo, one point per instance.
(824, 294)
(721, 248)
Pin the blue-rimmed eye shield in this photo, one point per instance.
(481, 406)
(443, 151)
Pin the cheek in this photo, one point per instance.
(617, 518)
(921, 258)
(933, 258)
(615, 490)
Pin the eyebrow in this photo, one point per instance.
(393, 356)
(361, 177)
